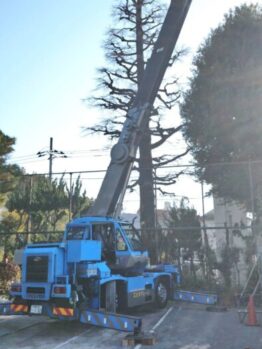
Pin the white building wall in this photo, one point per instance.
(231, 214)
(211, 234)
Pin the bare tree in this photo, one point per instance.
(127, 47)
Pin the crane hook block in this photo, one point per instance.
(119, 153)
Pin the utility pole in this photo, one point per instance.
(206, 242)
(156, 218)
(50, 157)
(203, 205)
(70, 197)
(155, 197)
(29, 221)
(251, 189)
(52, 154)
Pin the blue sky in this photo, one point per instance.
(50, 50)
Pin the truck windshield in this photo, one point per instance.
(78, 233)
(132, 236)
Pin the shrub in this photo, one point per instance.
(9, 272)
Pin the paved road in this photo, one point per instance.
(179, 327)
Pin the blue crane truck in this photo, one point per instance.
(100, 268)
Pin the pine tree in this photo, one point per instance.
(127, 47)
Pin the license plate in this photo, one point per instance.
(36, 309)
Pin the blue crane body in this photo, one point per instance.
(100, 268)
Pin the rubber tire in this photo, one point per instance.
(159, 301)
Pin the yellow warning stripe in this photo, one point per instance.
(63, 311)
(17, 308)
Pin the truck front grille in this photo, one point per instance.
(36, 290)
(37, 269)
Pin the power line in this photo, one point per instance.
(159, 168)
(29, 161)
(23, 157)
(66, 151)
(170, 229)
(78, 153)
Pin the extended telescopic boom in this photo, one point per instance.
(124, 152)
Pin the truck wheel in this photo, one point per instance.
(161, 294)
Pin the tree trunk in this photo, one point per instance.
(147, 207)
(227, 271)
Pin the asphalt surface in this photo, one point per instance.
(177, 327)
(192, 327)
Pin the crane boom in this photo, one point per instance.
(123, 153)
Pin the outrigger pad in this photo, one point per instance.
(140, 338)
(216, 308)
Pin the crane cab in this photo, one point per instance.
(120, 244)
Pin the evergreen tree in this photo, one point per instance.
(79, 201)
(7, 171)
(184, 233)
(43, 205)
(222, 108)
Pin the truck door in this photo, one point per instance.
(105, 232)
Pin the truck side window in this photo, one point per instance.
(105, 233)
(78, 233)
(120, 242)
(96, 232)
(133, 237)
